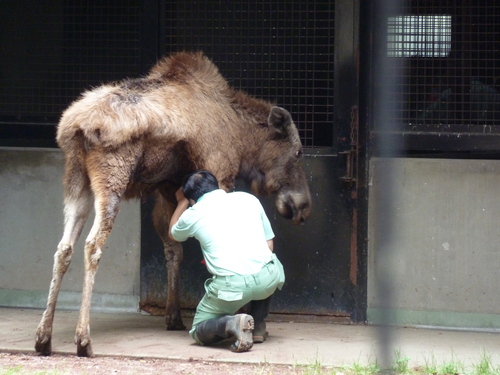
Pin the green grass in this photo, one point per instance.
(18, 370)
(401, 365)
(359, 369)
(485, 367)
(11, 371)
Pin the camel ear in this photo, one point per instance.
(279, 119)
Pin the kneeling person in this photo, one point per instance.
(236, 239)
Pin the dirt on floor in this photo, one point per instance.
(62, 364)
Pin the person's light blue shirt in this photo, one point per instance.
(233, 230)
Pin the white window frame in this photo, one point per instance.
(419, 35)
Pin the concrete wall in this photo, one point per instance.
(31, 224)
(434, 243)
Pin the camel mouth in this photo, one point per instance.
(294, 207)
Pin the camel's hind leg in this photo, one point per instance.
(76, 210)
(173, 255)
(107, 203)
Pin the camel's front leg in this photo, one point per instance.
(173, 255)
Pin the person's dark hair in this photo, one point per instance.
(199, 183)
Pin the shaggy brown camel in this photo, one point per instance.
(135, 137)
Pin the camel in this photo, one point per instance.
(142, 136)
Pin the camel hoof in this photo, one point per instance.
(174, 322)
(44, 346)
(84, 350)
(43, 340)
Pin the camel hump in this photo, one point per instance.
(115, 113)
(184, 67)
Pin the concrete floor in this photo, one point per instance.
(139, 335)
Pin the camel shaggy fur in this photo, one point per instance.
(142, 136)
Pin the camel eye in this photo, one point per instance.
(298, 153)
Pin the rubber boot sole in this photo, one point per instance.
(244, 340)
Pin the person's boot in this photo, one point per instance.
(260, 333)
(259, 309)
(217, 329)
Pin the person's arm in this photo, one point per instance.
(182, 205)
(270, 243)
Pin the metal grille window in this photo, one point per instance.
(443, 69)
(284, 54)
(54, 50)
(419, 36)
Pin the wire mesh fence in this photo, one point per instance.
(56, 50)
(447, 57)
(284, 54)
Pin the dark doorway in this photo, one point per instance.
(295, 56)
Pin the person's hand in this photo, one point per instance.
(179, 195)
(182, 205)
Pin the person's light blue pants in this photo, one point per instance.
(224, 295)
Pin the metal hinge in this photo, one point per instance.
(352, 154)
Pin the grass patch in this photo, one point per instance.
(19, 370)
(11, 371)
(485, 366)
(452, 366)
(314, 368)
(359, 369)
(401, 365)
